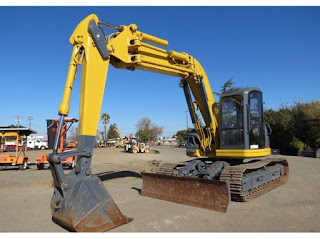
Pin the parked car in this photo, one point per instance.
(37, 143)
(182, 145)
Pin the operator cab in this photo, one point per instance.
(241, 123)
(241, 120)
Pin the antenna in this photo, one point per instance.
(18, 119)
(30, 119)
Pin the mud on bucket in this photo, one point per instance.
(85, 206)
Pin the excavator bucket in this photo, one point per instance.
(86, 206)
(203, 193)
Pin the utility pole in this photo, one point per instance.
(18, 119)
(30, 118)
(186, 111)
(102, 134)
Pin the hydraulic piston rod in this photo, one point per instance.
(109, 26)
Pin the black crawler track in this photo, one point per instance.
(234, 174)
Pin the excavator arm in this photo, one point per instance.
(118, 133)
(127, 49)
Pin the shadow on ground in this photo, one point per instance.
(10, 168)
(137, 189)
(122, 174)
(152, 151)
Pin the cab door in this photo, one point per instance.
(255, 117)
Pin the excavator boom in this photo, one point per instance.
(80, 201)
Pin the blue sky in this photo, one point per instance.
(274, 48)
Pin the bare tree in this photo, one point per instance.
(73, 134)
(144, 123)
(148, 130)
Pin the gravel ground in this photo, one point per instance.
(293, 207)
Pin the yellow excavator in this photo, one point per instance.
(121, 143)
(231, 132)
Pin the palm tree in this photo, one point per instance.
(105, 120)
(226, 86)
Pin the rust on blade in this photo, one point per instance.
(203, 193)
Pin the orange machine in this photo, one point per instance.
(69, 162)
(19, 158)
(72, 144)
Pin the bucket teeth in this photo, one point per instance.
(86, 207)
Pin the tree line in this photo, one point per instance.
(295, 127)
(146, 129)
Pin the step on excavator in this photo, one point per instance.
(227, 145)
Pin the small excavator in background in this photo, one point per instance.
(131, 145)
(231, 132)
(121, 143)
(103, 141)
(69, 162)
(134, 146)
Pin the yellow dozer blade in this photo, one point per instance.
(203, 193)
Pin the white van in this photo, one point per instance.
(37, 142)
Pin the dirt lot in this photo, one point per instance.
(25, 199)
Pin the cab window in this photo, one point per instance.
(232, 120)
